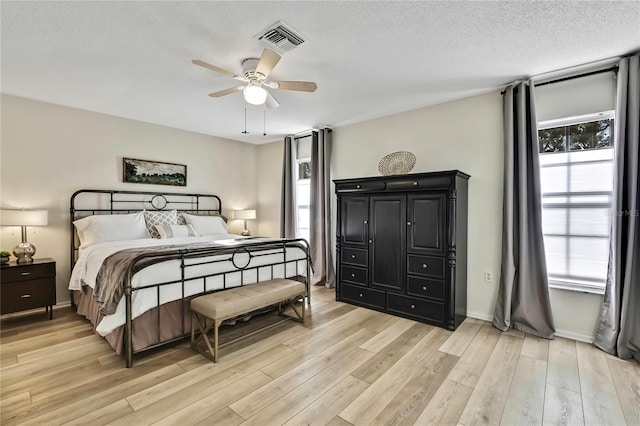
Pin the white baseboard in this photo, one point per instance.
(480, 316)
(560, 333)
(574, 336)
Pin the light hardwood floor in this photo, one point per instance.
(346, 365)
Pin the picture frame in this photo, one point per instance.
(153, 172)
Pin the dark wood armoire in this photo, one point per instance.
(402, 245)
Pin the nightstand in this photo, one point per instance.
(26, 286)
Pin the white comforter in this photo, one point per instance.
(91, 259)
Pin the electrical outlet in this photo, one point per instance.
(488, 276)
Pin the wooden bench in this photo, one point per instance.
(234, 302)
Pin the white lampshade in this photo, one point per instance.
(244, 214)
(24, 217)
(254, 94)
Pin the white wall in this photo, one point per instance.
(269, 188)
(464, 135)
(49, 151)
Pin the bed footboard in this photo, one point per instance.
(246, 262)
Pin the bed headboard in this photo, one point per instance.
(86, 202)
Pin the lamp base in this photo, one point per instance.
(245, 233)
(24, 252)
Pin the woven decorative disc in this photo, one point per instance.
(397, 163)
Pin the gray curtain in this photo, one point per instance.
(320, 210)
(288, 211)
(523, 295)
(618, 329)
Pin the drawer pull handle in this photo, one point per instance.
(366, 221)
(424, 288)
(370, 241)
(415, 183)
(353, 256)
(353, 275)
(409, 223)
(357, 186)
(24, 274)
(25, 296)
(360, 295)
(413, 306)
(424, 266)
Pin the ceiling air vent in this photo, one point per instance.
(280, 37)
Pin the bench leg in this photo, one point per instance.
(300, 317)
(204, 331)
(193, 327)
(216, 324)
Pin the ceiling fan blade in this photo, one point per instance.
(302, 86)
(211, 67)
(226, 91)
(268, 61)
(271, 102)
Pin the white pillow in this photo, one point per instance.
(117, 227)
(159, 217)
(175, 231)
(206, 225)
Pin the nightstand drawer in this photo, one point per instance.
(27, 272)
(20, 296)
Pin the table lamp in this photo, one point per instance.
(24, 251)
(244, 215)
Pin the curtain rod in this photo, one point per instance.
(571, 77)
(610, 64)
(309, 131)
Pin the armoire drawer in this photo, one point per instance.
(360, 186)
(413, 306)
(423, 287)
(362, 295)
(417, 183)
(353, 274)
(354, 256)
(425, 265)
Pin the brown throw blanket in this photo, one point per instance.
(109, 286)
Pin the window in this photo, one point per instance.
(303, 186)
(303, 198)
(576, 175)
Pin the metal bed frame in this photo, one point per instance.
(98, 201)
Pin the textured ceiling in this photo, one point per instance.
(369, 59)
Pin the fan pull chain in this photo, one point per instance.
(264, 129)
(245, 122)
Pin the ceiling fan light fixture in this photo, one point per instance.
(254, 94)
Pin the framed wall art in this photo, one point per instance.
(154, 172)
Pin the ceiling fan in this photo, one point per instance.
(255, 73)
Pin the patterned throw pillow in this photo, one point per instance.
(175, 231)
(159, 217)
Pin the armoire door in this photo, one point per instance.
(354, 221)
(426, 223)
(387, 249)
